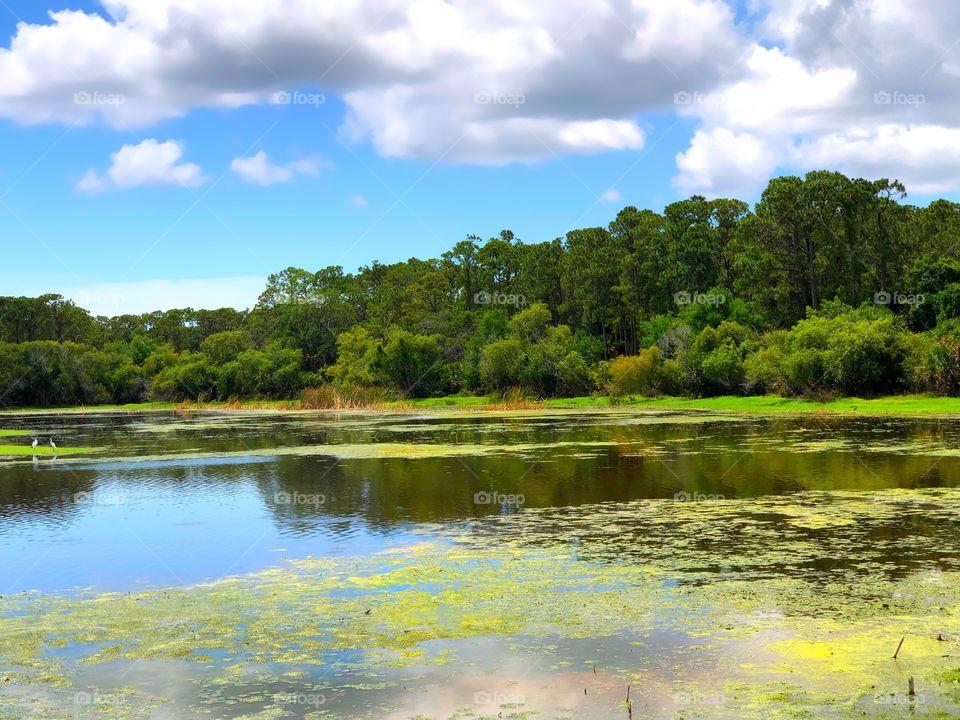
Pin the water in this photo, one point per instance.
(707, 505)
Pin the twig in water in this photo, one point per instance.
(899, 646)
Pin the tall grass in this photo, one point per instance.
(514, 398)
(328, 397)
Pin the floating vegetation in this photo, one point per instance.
(789, 621)
(777, 583)
(8, 450)
(359, 451)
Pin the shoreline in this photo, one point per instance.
(763, 405)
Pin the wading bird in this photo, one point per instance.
(36, 441)
(53, 444)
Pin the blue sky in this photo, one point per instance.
(206, 234)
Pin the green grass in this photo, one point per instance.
(18, 450)
(451, 401)
(761, 405)
(764, 404)
(160, 407)
(12, 433)
(767, 404)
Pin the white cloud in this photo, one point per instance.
(927, 156)
(359, 200)
(721, 162)
(485, 82)
(497, 82)
(864, 87)
(258, 169)
(148, 163)
(610, 195)
(91, 182)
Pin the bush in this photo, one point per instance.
(932, 363)
(501, 363)
(634, 374)
(860, 351)
(409, 363)
(723, 367)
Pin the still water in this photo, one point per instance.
(254, 565)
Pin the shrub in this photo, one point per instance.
(634, 374)
(501, 363)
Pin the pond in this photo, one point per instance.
(548, 564)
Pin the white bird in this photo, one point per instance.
(34, 444)
(53, 444)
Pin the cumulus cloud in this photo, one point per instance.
(465, 81)
(927, 156)
(722, 162)
(147, 163)
(766, 84)
(258, 169)
(866, 87)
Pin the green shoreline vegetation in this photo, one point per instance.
(828, 287)
(892, 405)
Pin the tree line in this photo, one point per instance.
(828, 285)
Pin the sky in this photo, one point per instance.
(172, 153)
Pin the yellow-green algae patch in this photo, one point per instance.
(358, 451)
(45, 450)
(803, 597)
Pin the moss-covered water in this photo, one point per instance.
(482, 566)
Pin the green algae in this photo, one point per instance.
(741, 576)
(18, 450)
(798, 601)
(13, 433)
(358, 451)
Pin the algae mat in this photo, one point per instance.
(773, 607)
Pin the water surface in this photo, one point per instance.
(696, 558)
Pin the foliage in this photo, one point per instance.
(634, 374)
(828, 284)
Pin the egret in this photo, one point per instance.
(53, 444)
(36, 441)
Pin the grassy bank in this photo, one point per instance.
(760, 405)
